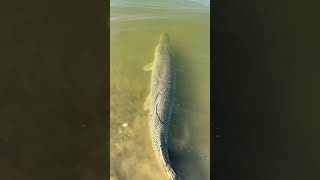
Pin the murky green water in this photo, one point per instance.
(135, 29)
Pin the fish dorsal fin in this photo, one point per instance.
(146, 104)
(148, 67)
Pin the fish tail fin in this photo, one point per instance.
(171, 174)
(167, 165)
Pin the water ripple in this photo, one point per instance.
(177, 5)
(134, 17)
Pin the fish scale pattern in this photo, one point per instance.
(162, 99)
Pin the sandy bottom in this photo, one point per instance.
(132, 156)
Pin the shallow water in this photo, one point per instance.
(136, 26)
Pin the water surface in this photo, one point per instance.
(136, 26)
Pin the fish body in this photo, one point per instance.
(161, 102)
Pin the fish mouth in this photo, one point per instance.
(164, 38)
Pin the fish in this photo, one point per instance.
(160, 102)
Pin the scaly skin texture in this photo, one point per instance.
(161, 103)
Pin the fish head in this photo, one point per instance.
(164, 38)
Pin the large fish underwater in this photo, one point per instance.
(160, 102)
